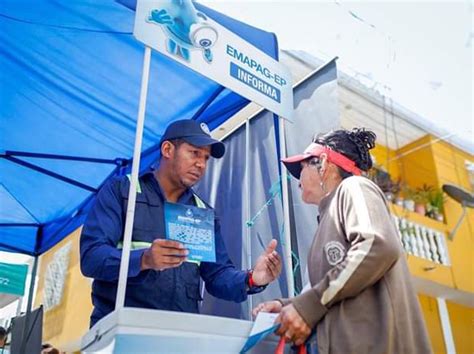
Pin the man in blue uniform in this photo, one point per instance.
(159, 276)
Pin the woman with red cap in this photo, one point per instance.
(360, 298)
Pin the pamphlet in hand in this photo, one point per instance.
(194, 227)
(263, 326)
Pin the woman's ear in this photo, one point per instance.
(324, 164)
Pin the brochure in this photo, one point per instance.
(194, 227)
(264, 325)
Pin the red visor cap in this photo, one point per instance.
(293, 163)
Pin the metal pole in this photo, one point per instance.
(453, 232)
(288, 261)
(29, 305)
(132, 193)
(248, 248)
(18, 307)
(446, 326)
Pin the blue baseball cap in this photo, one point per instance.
(193, 133)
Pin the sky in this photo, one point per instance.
(418, 53)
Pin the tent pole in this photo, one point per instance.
(132, 193)
(32, 285)
(286, 213)
(248, 248)
(19, 306)
(29, 305)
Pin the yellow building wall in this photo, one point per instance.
(64, 325)
(417, 163)
(450, 162)
(433, 162)
(429, 307)
(462, 326)
(386, 158)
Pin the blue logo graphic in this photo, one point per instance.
(186, 29)
(205, 128)
(189, 213)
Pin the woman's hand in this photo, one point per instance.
(269, 306)
(293, 327)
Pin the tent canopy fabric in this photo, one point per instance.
(69, 88)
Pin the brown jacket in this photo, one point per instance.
(361, 298)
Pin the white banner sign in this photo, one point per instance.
(176, 29)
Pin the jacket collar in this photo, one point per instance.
(185, 198)
(324, 203)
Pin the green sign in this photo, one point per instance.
(12, 278)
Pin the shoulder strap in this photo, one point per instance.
(135, 245)
(139, 187)
(199, 202)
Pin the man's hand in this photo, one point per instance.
(268, 266)
(268, 306)
(293, 327)
(164, 254)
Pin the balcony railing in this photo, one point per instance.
(422, 241)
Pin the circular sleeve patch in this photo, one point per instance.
(335, 252)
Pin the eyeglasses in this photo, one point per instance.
(313, 162)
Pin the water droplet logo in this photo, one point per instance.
(205, 128)
(189, 213)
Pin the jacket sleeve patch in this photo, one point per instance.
(335, 252)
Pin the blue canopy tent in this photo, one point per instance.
(70, 83)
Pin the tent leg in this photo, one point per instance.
(248, 234)
(20, 304)
(29, 305)
(286, 214)
(132, 193)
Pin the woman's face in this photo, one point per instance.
(310, 181)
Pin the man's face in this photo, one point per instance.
(189, 163)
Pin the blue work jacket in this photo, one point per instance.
(176, 289)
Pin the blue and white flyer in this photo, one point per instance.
(263, 326)
(194, 227)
